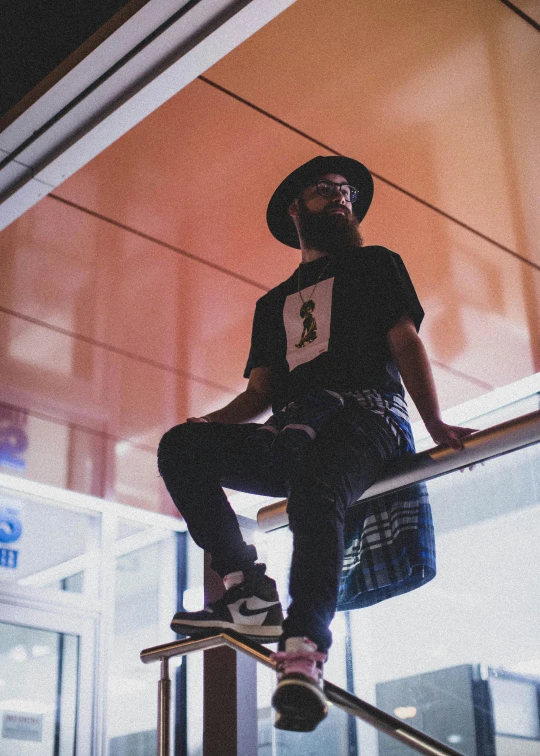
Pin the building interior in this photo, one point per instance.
(133, 248)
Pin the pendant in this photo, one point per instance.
(309, 324)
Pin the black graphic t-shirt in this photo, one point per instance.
(333, 333)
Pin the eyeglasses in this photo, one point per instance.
(326, 188)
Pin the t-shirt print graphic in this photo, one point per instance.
(307, 324)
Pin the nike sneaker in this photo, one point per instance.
(299, 698)
(252, 608)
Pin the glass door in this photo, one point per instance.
(45, 683)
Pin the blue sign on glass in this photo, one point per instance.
(8, 558)
(13, 437)
(10, 525)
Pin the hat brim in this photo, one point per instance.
(278, 219)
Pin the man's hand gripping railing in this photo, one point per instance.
(478, 447)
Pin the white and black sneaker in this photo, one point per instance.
(252, 608)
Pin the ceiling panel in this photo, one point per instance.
(453, 389)
(481, 304)
(79, 273)
(440, 98)
(198, 174)
(43, 370)
(529, 7)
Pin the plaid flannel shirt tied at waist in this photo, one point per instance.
(389, 541)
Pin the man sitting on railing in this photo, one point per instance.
(364, 317)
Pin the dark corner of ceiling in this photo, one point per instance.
(40, 41)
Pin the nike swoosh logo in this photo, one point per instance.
(245, 612)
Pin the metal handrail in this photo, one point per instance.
(379, 719)
(441, 460)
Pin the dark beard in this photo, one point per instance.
(330, 233)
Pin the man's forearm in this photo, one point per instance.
(414, 366)
(244, 408)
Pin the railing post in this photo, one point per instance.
(164, 709)
(230, 693)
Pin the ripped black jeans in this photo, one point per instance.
(196, 460)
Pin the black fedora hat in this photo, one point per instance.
(280, 222)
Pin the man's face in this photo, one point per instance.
(334, 205)
(327, 224)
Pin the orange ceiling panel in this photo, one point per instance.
(481, 305)
(530, 7)
(132, 291)
(443, 99)
(76, 272)
(126, 298)
(198, 174)
(71, 380)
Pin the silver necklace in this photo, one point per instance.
(310, 296)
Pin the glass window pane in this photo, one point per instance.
(334, 736)
(38, 691)
(145, 601)
(427, 656)
(515, 705)
(48, 546)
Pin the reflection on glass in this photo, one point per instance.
(135, 480)
(191, 674)
(516, 705)
(38, 691)
(70, 456)
(46, 546)
(459, 657)
(337, 734)
(429, 656)
(33, 447)
(145, 600)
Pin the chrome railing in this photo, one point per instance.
(441, 460)
(384, 722)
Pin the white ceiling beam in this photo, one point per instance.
(155, 54)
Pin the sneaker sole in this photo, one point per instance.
(293, 724)
(300, 704)
(268, 634)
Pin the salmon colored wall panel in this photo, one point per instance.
(42, 370)
(530, 7)
(452, 389)
(74, 271)
(441, 98)
(426, 240)
(481, 307)
(198, 174)
(132, 479)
